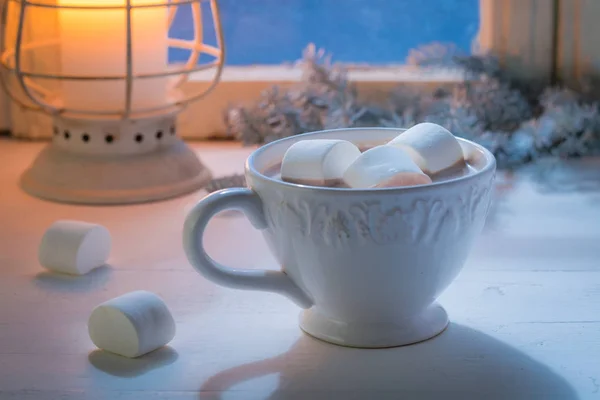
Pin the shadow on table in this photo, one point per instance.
(125, 367)
(461, 363)
(58, 282)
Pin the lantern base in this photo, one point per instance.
(69, 177)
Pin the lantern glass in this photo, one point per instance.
(98, 58)
(39, 55)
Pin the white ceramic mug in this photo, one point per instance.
(366, 265)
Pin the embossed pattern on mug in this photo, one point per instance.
(381, 221)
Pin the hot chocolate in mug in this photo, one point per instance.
(366, 265)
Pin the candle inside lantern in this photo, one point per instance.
(93, 43)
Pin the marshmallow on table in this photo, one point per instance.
(431, 146)
(74, 247)
(318, 162)
(131, 325)
(384, 166)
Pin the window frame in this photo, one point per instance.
(521, 32)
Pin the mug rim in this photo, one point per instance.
(490, 165)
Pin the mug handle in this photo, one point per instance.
(247, 201)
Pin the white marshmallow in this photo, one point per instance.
(74, 247)
(384, 166)
(131, 325)
(318, 162)
(431, 146)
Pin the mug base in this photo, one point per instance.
(421, 327)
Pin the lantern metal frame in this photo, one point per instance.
(57, 175)
(11, 60)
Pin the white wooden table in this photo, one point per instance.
(525, 311)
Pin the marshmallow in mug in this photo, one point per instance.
(432, 147)
(131, 325)
(74, 247)
(318, 162)
(384, 166)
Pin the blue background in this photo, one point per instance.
(357, 31)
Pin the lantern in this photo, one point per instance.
(100, 69)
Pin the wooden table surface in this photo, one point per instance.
(525, 311)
